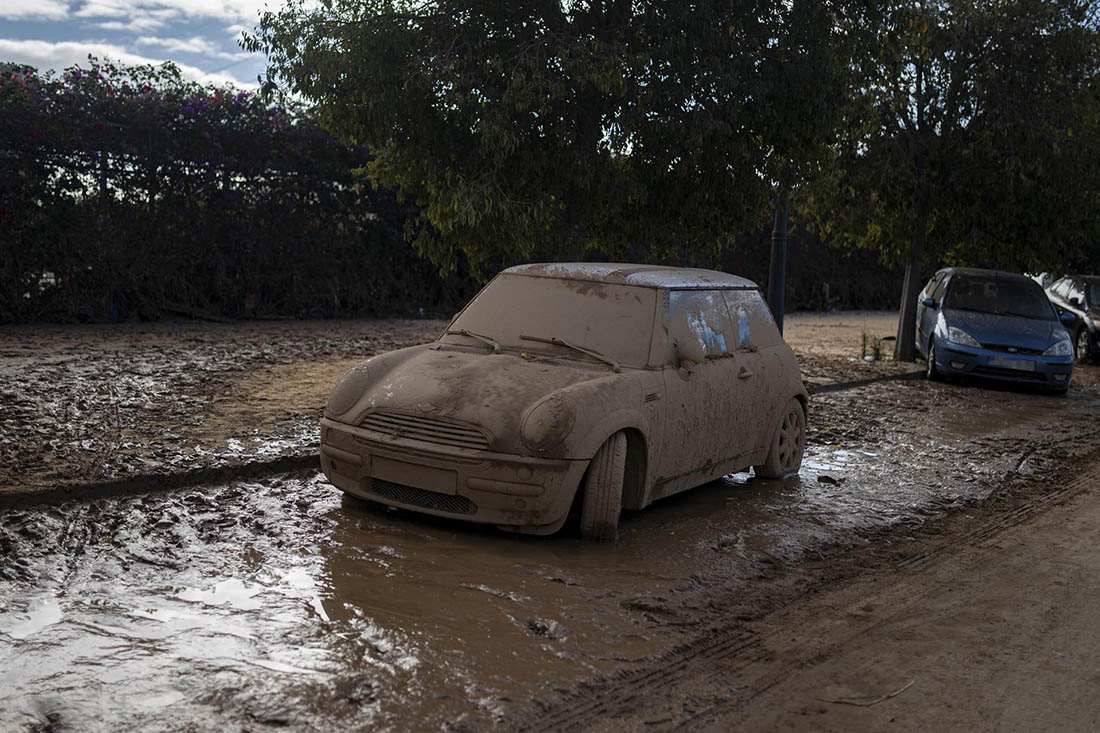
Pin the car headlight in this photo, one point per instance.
(959, 336)
(548, 423)
(348, 391)
(1062, 348)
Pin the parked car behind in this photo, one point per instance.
(994, 325)
(1079, 295)
(625, 383)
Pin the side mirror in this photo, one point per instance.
(1067, 317)
(929, 302)
(690, 351)
(1075, 302)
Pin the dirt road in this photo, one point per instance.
(990, 625)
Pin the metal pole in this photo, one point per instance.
(777, 269)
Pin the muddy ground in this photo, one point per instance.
(88, 404)
(275, 602)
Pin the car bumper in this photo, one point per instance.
(519, 493)
(1047, 371)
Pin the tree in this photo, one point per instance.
(970, 138)
(638, 130)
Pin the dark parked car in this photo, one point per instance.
(1080, 295)
(994, 325)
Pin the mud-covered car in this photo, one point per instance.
(600, 386)
(1079, 296)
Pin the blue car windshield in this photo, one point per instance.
(1001, 297)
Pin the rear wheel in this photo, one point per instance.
(1081, 345)
(788, 443)
(603, 491)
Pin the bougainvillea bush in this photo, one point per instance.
(127, 192)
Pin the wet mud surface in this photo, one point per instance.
(279, 603)
(84, 404)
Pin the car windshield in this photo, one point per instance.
(615, 321)
(1022, 298)
(1092, 295)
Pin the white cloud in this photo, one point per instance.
(34, 9)
(194, 45)
(47, 55)
(231, 10)
(134, 25)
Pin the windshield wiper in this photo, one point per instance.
(562, 342)
(1023, 315)
(470, 334)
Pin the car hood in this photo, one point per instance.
(491, 391)
(991, 328)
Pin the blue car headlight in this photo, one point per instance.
(959, 336)
(1061, 348)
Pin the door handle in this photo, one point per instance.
(744, 373)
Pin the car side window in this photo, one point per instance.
(1061, 288)
(1076, 291)
(751, 320)
(937, 294)
(701, 314)
(929, 286)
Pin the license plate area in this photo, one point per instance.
(411, 474)
(1004, 362)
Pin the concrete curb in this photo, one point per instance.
(147, 483)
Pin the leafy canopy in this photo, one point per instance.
(554, 130)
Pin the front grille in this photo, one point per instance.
(421, 497)
(426, 429)
(990, 371)
(1011, 349)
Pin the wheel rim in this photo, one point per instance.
(1082, 346)
(792, 439)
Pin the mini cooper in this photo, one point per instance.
(559, 387)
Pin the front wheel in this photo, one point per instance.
(603, 491)
(787, 445)
(931, 372)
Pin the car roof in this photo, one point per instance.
(1086, 278)
(979, 272)
(647, 276)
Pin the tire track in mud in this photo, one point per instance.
(733, 648)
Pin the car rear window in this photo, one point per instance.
(1023, 298)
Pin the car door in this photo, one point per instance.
(927, 315)
(705, 405)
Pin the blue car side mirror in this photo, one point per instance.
(1068, 317)
(929, 302)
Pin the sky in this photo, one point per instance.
(199, 35)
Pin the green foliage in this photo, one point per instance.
(548, 130)
(126, 191)
(973, 127)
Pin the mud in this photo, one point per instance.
(93, 403)
(277, 602)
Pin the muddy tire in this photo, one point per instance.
(603, 491)
(788, 443)
(931, 372)
(1081, 346)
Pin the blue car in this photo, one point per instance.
(994, 325)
